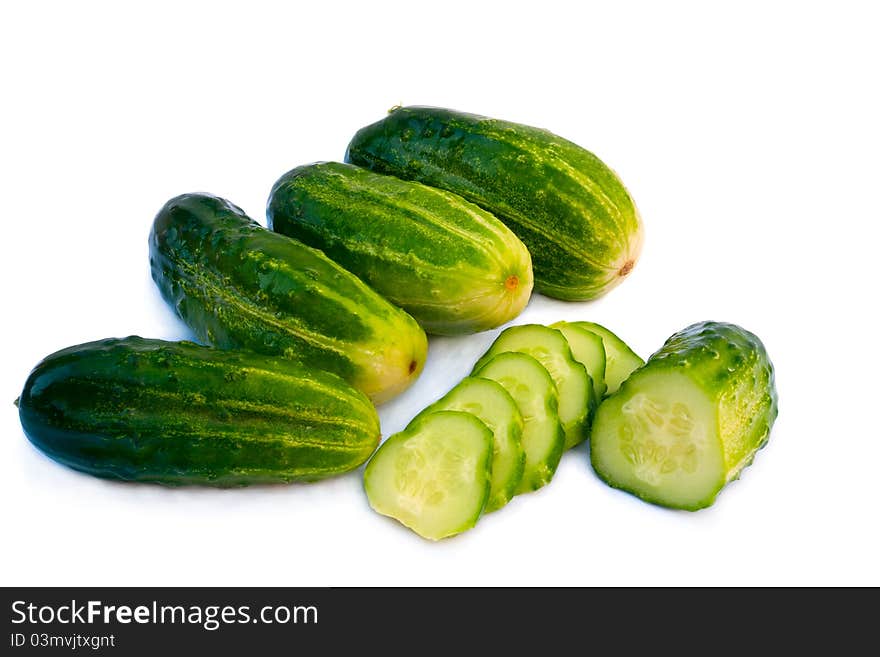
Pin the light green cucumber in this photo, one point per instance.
(490, 403)
(587, 349)
(434, 476)
(534, 392)
(690, 420)
(549, 347)
(620, 360)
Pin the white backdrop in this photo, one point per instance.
(748, 137)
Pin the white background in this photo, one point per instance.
(748, 137)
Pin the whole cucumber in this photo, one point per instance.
(181, 413)
(451, 265)
(571, 211)
(238, 285)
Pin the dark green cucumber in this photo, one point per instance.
(620, 359)
(181, 413)
(573, 213)
(490, 403)
(451, 265)
(690, 420)
(238, 285)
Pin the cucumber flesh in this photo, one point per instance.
(588, 349)
(550, 348)
(534, 392)
(434, 476)
(490, 403)
(658, 439)
(620, 360)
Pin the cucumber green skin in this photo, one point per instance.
(181, 413)
(453, 266)
(571, 211)
(238, 285)
(731, 367)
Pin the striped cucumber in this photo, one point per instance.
(690, 420)
(572, 212)
(181, 413)
(238, 285)
(451, 265)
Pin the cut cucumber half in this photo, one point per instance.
(620, 360)
(690, 420)
(550, 348)
(534, 392)
(490, 403)
(433, 476)
(588, 349)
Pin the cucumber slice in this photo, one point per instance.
(433, 476)
(588, 349)
(690, 420)
(490, 403)
(620, 360)
(550, 348)
(534, 392)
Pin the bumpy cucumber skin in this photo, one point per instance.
(498, 495)
(238, 285)
(731, 367)
(453, 266)
(181, 413)
(572, 212)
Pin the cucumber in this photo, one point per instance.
(237, 285)
(690, 420)
(588, 350)
(620, 360)
(549, 347)
(433, 477)
(534, 392)
(451, 265)
(181, 413)
(573, 213)
(490, 403)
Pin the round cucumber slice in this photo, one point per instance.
(490, 403)
(620, 360)
(534, 392)
(434, 476)
(549, 347)
(589, 350)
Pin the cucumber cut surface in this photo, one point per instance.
(687, 423)
(490, 403)
(573, 385)
(589, 350)
(620, 360)
(534, 392)
(434, 476)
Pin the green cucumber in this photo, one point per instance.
(238, 285)
(587, 349)
(530, 386)
(688, 422)
(451, 265)
(550, 348)
(181, 413)
(620, 360)
(490, 403)
(434, 476)
(571, 211)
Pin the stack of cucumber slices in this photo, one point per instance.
(672, 431)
